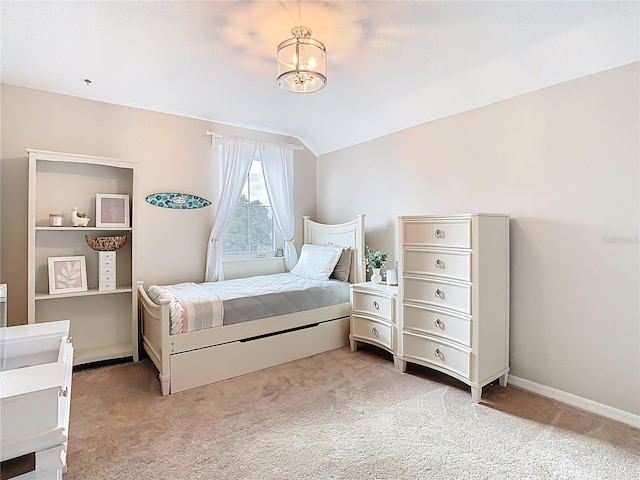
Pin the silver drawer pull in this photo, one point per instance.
(69, 339)
(439, 324)
(439, 263)
(439, 294)
(439, 234)
(438, 354)
(374, 330)
(64, 393)
(376, 305)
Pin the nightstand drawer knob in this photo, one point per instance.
(438, 354)
(374, 330)
(439, 324)
(439, 234)
(376, 305)
(439, 294)
(439, 263)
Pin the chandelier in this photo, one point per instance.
(302, 62)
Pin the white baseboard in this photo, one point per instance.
(576, 401)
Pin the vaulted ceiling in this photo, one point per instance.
(391, 65)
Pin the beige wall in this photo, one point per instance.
(564, 163)
(173, 154)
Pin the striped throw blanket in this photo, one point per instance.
(191, 306)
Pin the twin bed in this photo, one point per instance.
(197, 334)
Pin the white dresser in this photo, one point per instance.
(35, 397)
(373, 317)
(454, 296)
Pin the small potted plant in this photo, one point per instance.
(374, 260)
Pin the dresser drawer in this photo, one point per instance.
(108, 278)
(440, 263)
(104, 285)
(372, 331)
(104, 270)
(440, 293)
(425, 320)
(430, 351)
(453, 233)
(373, 304)
(105, 256)
(107, 259)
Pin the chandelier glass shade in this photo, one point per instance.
(302, 62)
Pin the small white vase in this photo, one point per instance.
(375, 276)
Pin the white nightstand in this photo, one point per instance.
(373, 316)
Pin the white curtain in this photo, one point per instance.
(237, 155)
(277, 167)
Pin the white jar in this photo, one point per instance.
(55, 220)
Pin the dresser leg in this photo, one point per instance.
(354, 345)
(476, 393)
(401, 365)
(164, 383)
(502, 381)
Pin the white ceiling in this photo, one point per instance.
(392, 65)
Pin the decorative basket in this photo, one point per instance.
(106, 244)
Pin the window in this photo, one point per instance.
(251, 231)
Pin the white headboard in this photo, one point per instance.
(350, 234)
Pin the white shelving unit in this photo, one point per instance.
(104, 323)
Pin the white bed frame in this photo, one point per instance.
(192, 359)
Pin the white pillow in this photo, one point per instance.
(317, 261)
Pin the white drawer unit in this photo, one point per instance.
(452, 232)
(431, 291)
(453, 295)
(373, 317)
(106, 271)
(445, 357)
(439, 263)
(373, 303)
(35, 398)
(437, 323)
(373, 331)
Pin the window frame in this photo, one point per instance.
(278, 241)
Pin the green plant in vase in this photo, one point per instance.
(374, 260)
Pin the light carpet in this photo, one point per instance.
(337, 415)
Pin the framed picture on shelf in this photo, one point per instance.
(67, 274)
(112, 210)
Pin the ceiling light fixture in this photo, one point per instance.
(302, 62)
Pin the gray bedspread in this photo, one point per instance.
(247, 299)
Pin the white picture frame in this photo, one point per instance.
(112, 210)
(67, 274)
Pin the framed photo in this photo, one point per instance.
(67, 274)
(112, 210)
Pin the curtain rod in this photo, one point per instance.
(215, 135)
